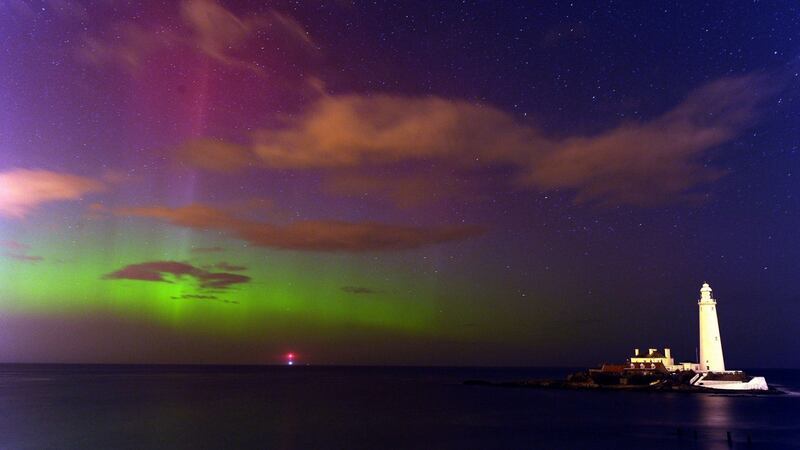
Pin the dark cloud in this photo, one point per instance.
(158, 270)
(24, 257)
(212, 298)
(225, 267)
(200, 296)
(19, 252)
(360, 290)
(320, 236)
(14, 245)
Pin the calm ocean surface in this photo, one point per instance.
(137, 407)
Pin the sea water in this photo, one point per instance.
(174, 407)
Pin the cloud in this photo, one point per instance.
(320, 236)
(96, 210)
(637, 162)
(118, 177)
(204, 26)
(19, 252)
(216, 30)
(359, 290)
(354, 130)
(213, 298)
(14, 245)
(225, 266)
(23, 190)
(200, 296)
(402, 189)
(158, 271)
(24, 257)
(350, 131)
(652, 162)
(289, 26)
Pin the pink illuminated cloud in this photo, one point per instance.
(23, 190)
(636, 162)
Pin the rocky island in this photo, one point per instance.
(654, 381)
(657, 371)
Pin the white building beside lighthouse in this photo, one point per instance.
(711, 359)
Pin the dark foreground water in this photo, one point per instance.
(139, 407)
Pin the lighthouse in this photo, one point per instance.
(711, 359)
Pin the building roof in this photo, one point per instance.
(655, 354)
(613, 367)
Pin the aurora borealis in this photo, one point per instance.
(424, 183)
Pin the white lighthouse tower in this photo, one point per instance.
(711, 359)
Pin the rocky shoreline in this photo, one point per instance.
(659, 386)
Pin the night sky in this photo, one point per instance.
(462, 183)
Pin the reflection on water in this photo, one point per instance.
(716, 411)
(716, 419)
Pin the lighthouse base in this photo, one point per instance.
(730, 381)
